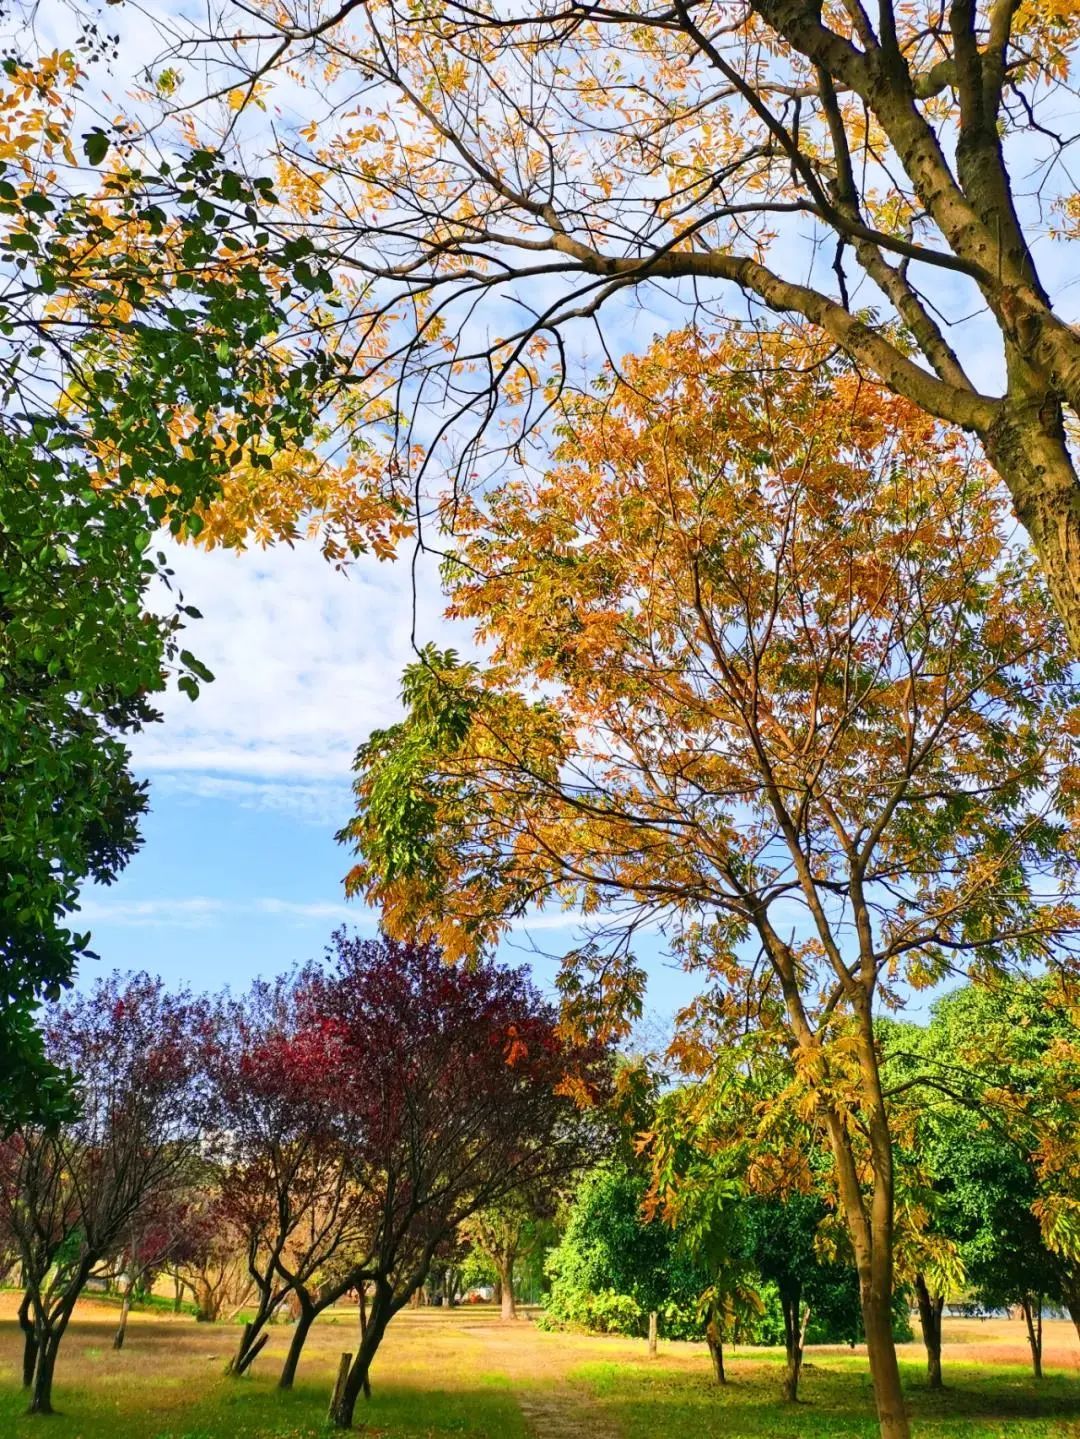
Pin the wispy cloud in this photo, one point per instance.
(200, 912)
(307, 662)
(326, 803)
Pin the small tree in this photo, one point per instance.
(456, 1092)
(781, 1236)
(69, 1195)
(282, 1176)
(506, 1233)
(208, 1258)
(154, 1234)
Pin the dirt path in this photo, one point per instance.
(562, 1413)
(554, 1406)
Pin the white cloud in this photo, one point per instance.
(200, 912)
(322, 803)
(307, 662)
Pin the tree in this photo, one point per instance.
(614, 1264)
(574, 152)
(1000, 1137)
(990, 1190)
(456, 1092)
(803, 705)
(282, 1172)
(782, 1235)
(155, 1233)
(753, 1177)
(209, 1258)
(143, 385)
(706, 1209)
(505, 1233)
(70, 1194)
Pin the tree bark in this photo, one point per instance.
(1033, 1319)
(304, 1321)
(794, 1334)
(44, 1369)
(362, 1304)
(714, 1339)
(1072, 1304)
(507, 1302)
(252, 1339)
(26, 1324)
(125, 1310)
(341, 1414)
(1028, 449)
(930, 1307)
(207, 1301)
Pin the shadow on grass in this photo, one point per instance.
(837, 1402)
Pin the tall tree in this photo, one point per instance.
(803, 703)
(574, 151)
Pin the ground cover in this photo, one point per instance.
(464, 1373)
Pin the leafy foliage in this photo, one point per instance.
(142, 383)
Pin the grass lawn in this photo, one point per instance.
(985, 1401)
(168, 1383)
(464, 1373)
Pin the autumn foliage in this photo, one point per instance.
(769, 668)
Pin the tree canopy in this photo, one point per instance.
(524, 165)
(804, 704)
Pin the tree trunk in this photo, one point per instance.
(125, 1310)
(930, 1307)
(178, 1293)
(1072, 1304)
(252, 1339)
(1028, 449)
(870, 1225)
(884, 1369)
(507, 1304)
(304, 1321)
(341, 1415)
(30, 1344)
(1033, 1320)
(41, 1393)
(714, 1339)
(207, 1301)
(363, 1330)
(794, 1333)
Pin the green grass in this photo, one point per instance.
(836, 1401)
(462, 1373)
(252, 1409)
(168, 1383)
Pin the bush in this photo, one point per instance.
(612, 1267)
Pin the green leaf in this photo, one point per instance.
(96, 146)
